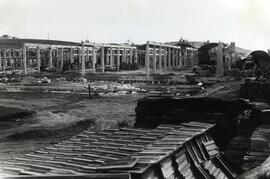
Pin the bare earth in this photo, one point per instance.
(58, 117)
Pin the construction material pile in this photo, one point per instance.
(162, 108)
(256, 91)
(250, 148)
(168, 151)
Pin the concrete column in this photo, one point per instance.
(124, 57)
(112, 58)
(102, 60)
(154, 58)
(4, 60)
(220, 65)
(61, 59)
(147, 64)
(24, 60)
(94, 59)
(169, 59)
(83, 60)
(160, 58)
(118, 59)
(179, 58)
(127, 55)
(195, 57)
(50, 59)
(192, 58)
(107, 56)
(268, 51)
(87, 56)
(136, 56)
(165, 59)
(21, 59)
(185, 57)
(173, 58)
(38, 59)
(0, 59)
(14, 59)
(71, 56)
(11, 60)
(130, 55)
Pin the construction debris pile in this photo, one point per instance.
(168, 151)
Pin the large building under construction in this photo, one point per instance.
(25, 56)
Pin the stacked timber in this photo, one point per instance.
(259, 149)
(166, 152)
(158, 109)
(261, 112)
(256, 91)
(250, 147)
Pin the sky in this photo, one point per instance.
(246, 22)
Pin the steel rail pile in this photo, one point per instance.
(168, 151)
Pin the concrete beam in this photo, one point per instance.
(164, 45)
(118, 46)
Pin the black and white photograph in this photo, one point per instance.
(134, 89)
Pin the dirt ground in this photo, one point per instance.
(58, 117)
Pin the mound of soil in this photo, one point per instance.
(7, 113)
(66, 131)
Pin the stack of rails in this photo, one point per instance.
(166, 152)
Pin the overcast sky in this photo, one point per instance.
(247, 22)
